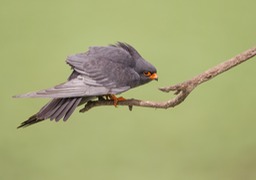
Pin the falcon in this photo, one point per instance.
(101, 72)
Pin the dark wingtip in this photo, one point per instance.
(32, 120)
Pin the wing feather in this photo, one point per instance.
(100, 71)
(78, 87)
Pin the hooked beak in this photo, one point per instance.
(154, 77)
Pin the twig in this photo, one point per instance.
(183, 89)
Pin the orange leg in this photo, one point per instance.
(116, 99)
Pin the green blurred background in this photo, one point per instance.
(210, 136)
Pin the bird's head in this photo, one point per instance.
(146, 71)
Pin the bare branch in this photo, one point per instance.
(183, 89)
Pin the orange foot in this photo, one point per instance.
(115, 99)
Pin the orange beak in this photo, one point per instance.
(153, 76)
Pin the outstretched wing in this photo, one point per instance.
(100, 71)
(78, 87)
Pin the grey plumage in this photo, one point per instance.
(100, 71)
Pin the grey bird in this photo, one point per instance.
(102, 71)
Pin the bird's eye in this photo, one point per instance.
(147, 73)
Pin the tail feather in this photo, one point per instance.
(50, 109)
(60, 112)
(71, 110)
(56, 109)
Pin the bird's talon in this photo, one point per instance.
(115, 99)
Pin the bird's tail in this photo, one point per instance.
(56, 109)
